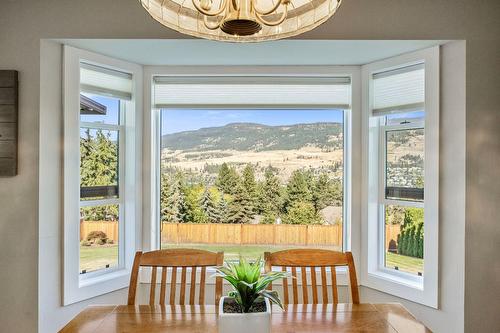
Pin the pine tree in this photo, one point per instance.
(240, 209)
(298, 189)
(208, 206)
(98, 167)
(270, 196)
(222, 210)
(227, 179)
(249, 185)
(173, 204)
(326, 192)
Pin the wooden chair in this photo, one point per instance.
(312, 258)
(175, 258)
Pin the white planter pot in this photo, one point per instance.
(258, 322)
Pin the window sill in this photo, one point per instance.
(101, 277)
(399, 278)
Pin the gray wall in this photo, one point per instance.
(24, 23)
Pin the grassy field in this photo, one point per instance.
(93, 258)
(96, 257)
(232, 252)
(405, 263)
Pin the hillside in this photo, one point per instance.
(256, 137)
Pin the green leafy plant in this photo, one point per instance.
(250, 283)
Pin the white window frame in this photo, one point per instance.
(374, 274)
(78, 287)
(352, 142)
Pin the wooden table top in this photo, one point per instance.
(318, 318)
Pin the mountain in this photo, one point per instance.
(256, 137)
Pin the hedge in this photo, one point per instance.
(411, 237)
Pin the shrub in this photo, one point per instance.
(85, 243)
(302, 213)
(411, 237)
(97, 237)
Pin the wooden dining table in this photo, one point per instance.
(319, 318)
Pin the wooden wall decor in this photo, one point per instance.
(8, 122)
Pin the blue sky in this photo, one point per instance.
(112, 106)
(175, 120)
(111, 116)
(179, 120)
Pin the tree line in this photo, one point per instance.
(239, 198)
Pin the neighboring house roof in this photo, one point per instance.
(89, 106)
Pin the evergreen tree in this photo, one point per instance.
(270, 196)
(227, 179)
(222, 210)
(249, 185)
(298, 189)
(326, 192)
(173, 204)
(98, 167)
(240, 208)
(208, 206)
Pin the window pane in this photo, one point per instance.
(404, 239)
(405, 118)
(98, 164)
(98, 237)
(405, 164)
(99, 109)
(249, 181)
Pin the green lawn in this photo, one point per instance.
(232, 252)
(405, 263)
(97, 257)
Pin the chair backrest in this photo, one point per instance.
(185, 259)
(303, 258)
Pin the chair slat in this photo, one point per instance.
(285, 287)
(304, 285)
(173, 285)
(334, 285)
(152, 291)
(314, 286)
(182, 294)
(324, 286)
(163, 285)
(294, 286)
(202, 286)
(192, 286)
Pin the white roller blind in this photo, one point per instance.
(252, 92)
(399, 90)
(105, 81)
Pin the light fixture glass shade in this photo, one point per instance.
(300, 16)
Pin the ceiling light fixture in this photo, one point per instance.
(241, 20)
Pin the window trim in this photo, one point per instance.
(389, 281)
(75, 288)
(352, 165)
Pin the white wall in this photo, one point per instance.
(24, 23)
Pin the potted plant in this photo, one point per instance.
(247, 308)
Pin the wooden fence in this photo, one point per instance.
(240, 234)
(246, 234)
